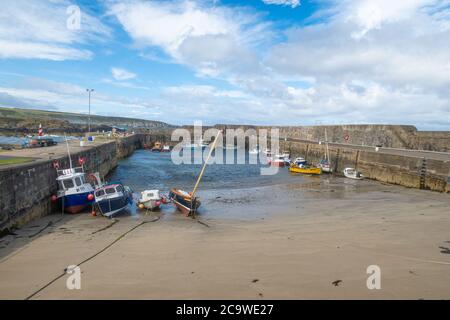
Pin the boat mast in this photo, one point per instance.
(213, 146)
(68, 151)
(326, 142)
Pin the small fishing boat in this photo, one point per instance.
(74, 194)
(157, 147)
(286, 158)
(325, 166)
(112, 198)
(150, 199)
(255, 150)
(305, 169)
(352, 173)
(300, 161)
(187, 202)
(277, 161)
(165, 148)
(267, 153)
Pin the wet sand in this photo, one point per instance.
(273, 242)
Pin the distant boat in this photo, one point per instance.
(353, 174)
(305, 169)
(150, 199)
(112, 198)
(277, 161)
(165, 148)
(255, 150)
(325, 164)
(74, 193)
(157, 147)
(299, 161)
(187, 202)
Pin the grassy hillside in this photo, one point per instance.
(10, 116)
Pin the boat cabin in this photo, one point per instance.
(109, 191)
(70, 182)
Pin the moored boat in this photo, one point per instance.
(74, 193)
(165, 148)
(184, 201)
(112, 198)
(150, 199)
(157, 147)
(187, 202)
(277, 161)
(299, 161)
(305, 169)
(352, 173)
(325, 166)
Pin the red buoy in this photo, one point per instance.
(90, 197)
(54, 198)
(94, 213)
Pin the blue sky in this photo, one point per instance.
(282, 62)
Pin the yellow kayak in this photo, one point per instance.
(305, 170)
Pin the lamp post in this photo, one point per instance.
(89, 91)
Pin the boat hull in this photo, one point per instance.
(184, 203)
(313, 170)
(110, 207)
(75, 203)
(151, 204)
(277, 163)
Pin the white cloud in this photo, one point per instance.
(291, 3)
(122, 74)
(38, 30)
(213, 40)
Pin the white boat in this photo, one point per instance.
(325, 164)
(300, 161)
(286, 158)
(165, 148)
(150, 199)
(352, 173)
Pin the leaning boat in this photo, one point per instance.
(112, 198)
(187, 202)
(305, 169)
(184, 201)
(353, 174)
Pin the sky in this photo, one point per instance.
(274, 62)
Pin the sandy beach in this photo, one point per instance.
(313, 239)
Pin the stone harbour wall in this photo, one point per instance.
(25, 190)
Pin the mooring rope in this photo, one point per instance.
(90, 258)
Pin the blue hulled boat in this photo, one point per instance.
(112, 198)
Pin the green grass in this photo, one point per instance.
(14, 160)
